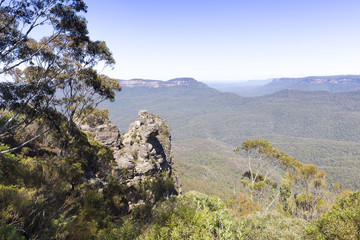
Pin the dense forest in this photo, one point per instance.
(314, 127)
(60, 181)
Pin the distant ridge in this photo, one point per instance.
(333, 84)
(323, 79)
(176, 82)
(337, 83)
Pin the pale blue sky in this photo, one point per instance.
(228, 40)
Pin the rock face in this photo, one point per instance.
(106, 133)
(145, 148)
(142, 152)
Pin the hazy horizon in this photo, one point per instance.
(225, 81)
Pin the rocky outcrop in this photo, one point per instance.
(105, 133)
(145, 148)
(142, 153)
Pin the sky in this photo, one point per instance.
(228, 40)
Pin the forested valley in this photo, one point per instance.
(68, 172)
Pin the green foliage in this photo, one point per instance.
(71, 73)
(116, 198)
(96, 117)
(192, 216)
(305, 201)
(287, 202)
(9, 232)
(10, 167)
(272, 225)
(342, 221)
(264, 162)
(28, 95)
(338, 158)
(58, 202)
(45, 193)
(20, 18)
(94, 208)
(258, 186)
(242, 205)
(17, 207)
(308, 171)
(127, 230)
(259, 146)
(52, 79)
(310, 203)
(264, 149)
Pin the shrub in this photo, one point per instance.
(192, 216)
(9, 232)
(342, 221)
(272, 225)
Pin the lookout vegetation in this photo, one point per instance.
(59, 182)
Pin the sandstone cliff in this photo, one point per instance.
(176, 82)
(142, 153)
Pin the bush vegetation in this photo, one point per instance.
(45, 196)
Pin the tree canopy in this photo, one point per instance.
(54, 75)
(19, 19)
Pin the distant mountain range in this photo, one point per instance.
(339, 83)
(314, 126)
(176, 82)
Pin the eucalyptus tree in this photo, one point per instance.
(21, 18)
(264, 162)
(53, 79)
(310, 200)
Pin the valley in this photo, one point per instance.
(314, 126)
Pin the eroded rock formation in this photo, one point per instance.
(145, 149)
(143, 152)
(105, 133)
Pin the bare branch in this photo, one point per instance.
(23, 144)
(6, 68)
(272, 201)
(31, 27)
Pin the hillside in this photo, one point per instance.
(340, 83)
(243, 88)
(207, 165)
(290, 119)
